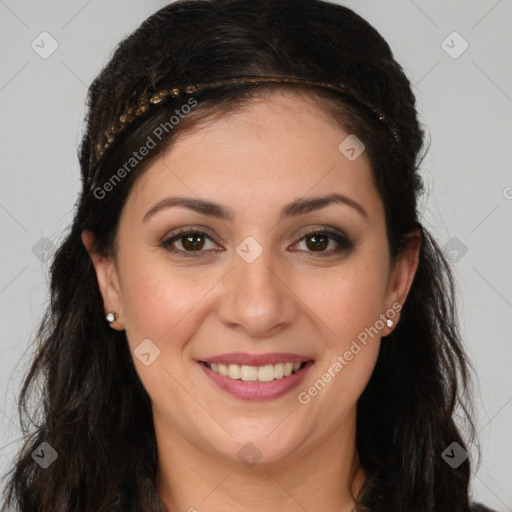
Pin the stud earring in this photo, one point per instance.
(111, 317)
(390, 323)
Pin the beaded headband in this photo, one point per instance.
(132, 112)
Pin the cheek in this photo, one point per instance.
(349, 314)
(158, 302)
(348, 299)
(348, 303)
(166, 306)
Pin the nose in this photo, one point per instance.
(257, 300)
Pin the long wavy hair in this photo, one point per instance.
(82, 394)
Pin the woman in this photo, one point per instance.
(247, 313)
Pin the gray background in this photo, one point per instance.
(466, 103)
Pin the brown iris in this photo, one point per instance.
(193, 242)
(319, 242)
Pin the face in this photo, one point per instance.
(276, 254)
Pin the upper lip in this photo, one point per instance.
(242, 358)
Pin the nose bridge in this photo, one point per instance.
(256, 298)
(255, 283)
(253, 271)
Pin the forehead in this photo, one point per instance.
(273, 148)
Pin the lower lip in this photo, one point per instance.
(257, 391)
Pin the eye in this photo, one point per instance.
(191, 241)
(318, 241)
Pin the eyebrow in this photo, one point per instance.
(295, 208)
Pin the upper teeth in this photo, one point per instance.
(265, 373)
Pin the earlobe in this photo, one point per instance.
(108, 282)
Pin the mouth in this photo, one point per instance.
(264, 373)
(256, 383)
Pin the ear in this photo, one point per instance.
(108, 282)
(403, 272)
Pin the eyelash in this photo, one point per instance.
(344, 243)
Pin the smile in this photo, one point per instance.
(265, 373)
(256, 383)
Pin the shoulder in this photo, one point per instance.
(478, 507)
